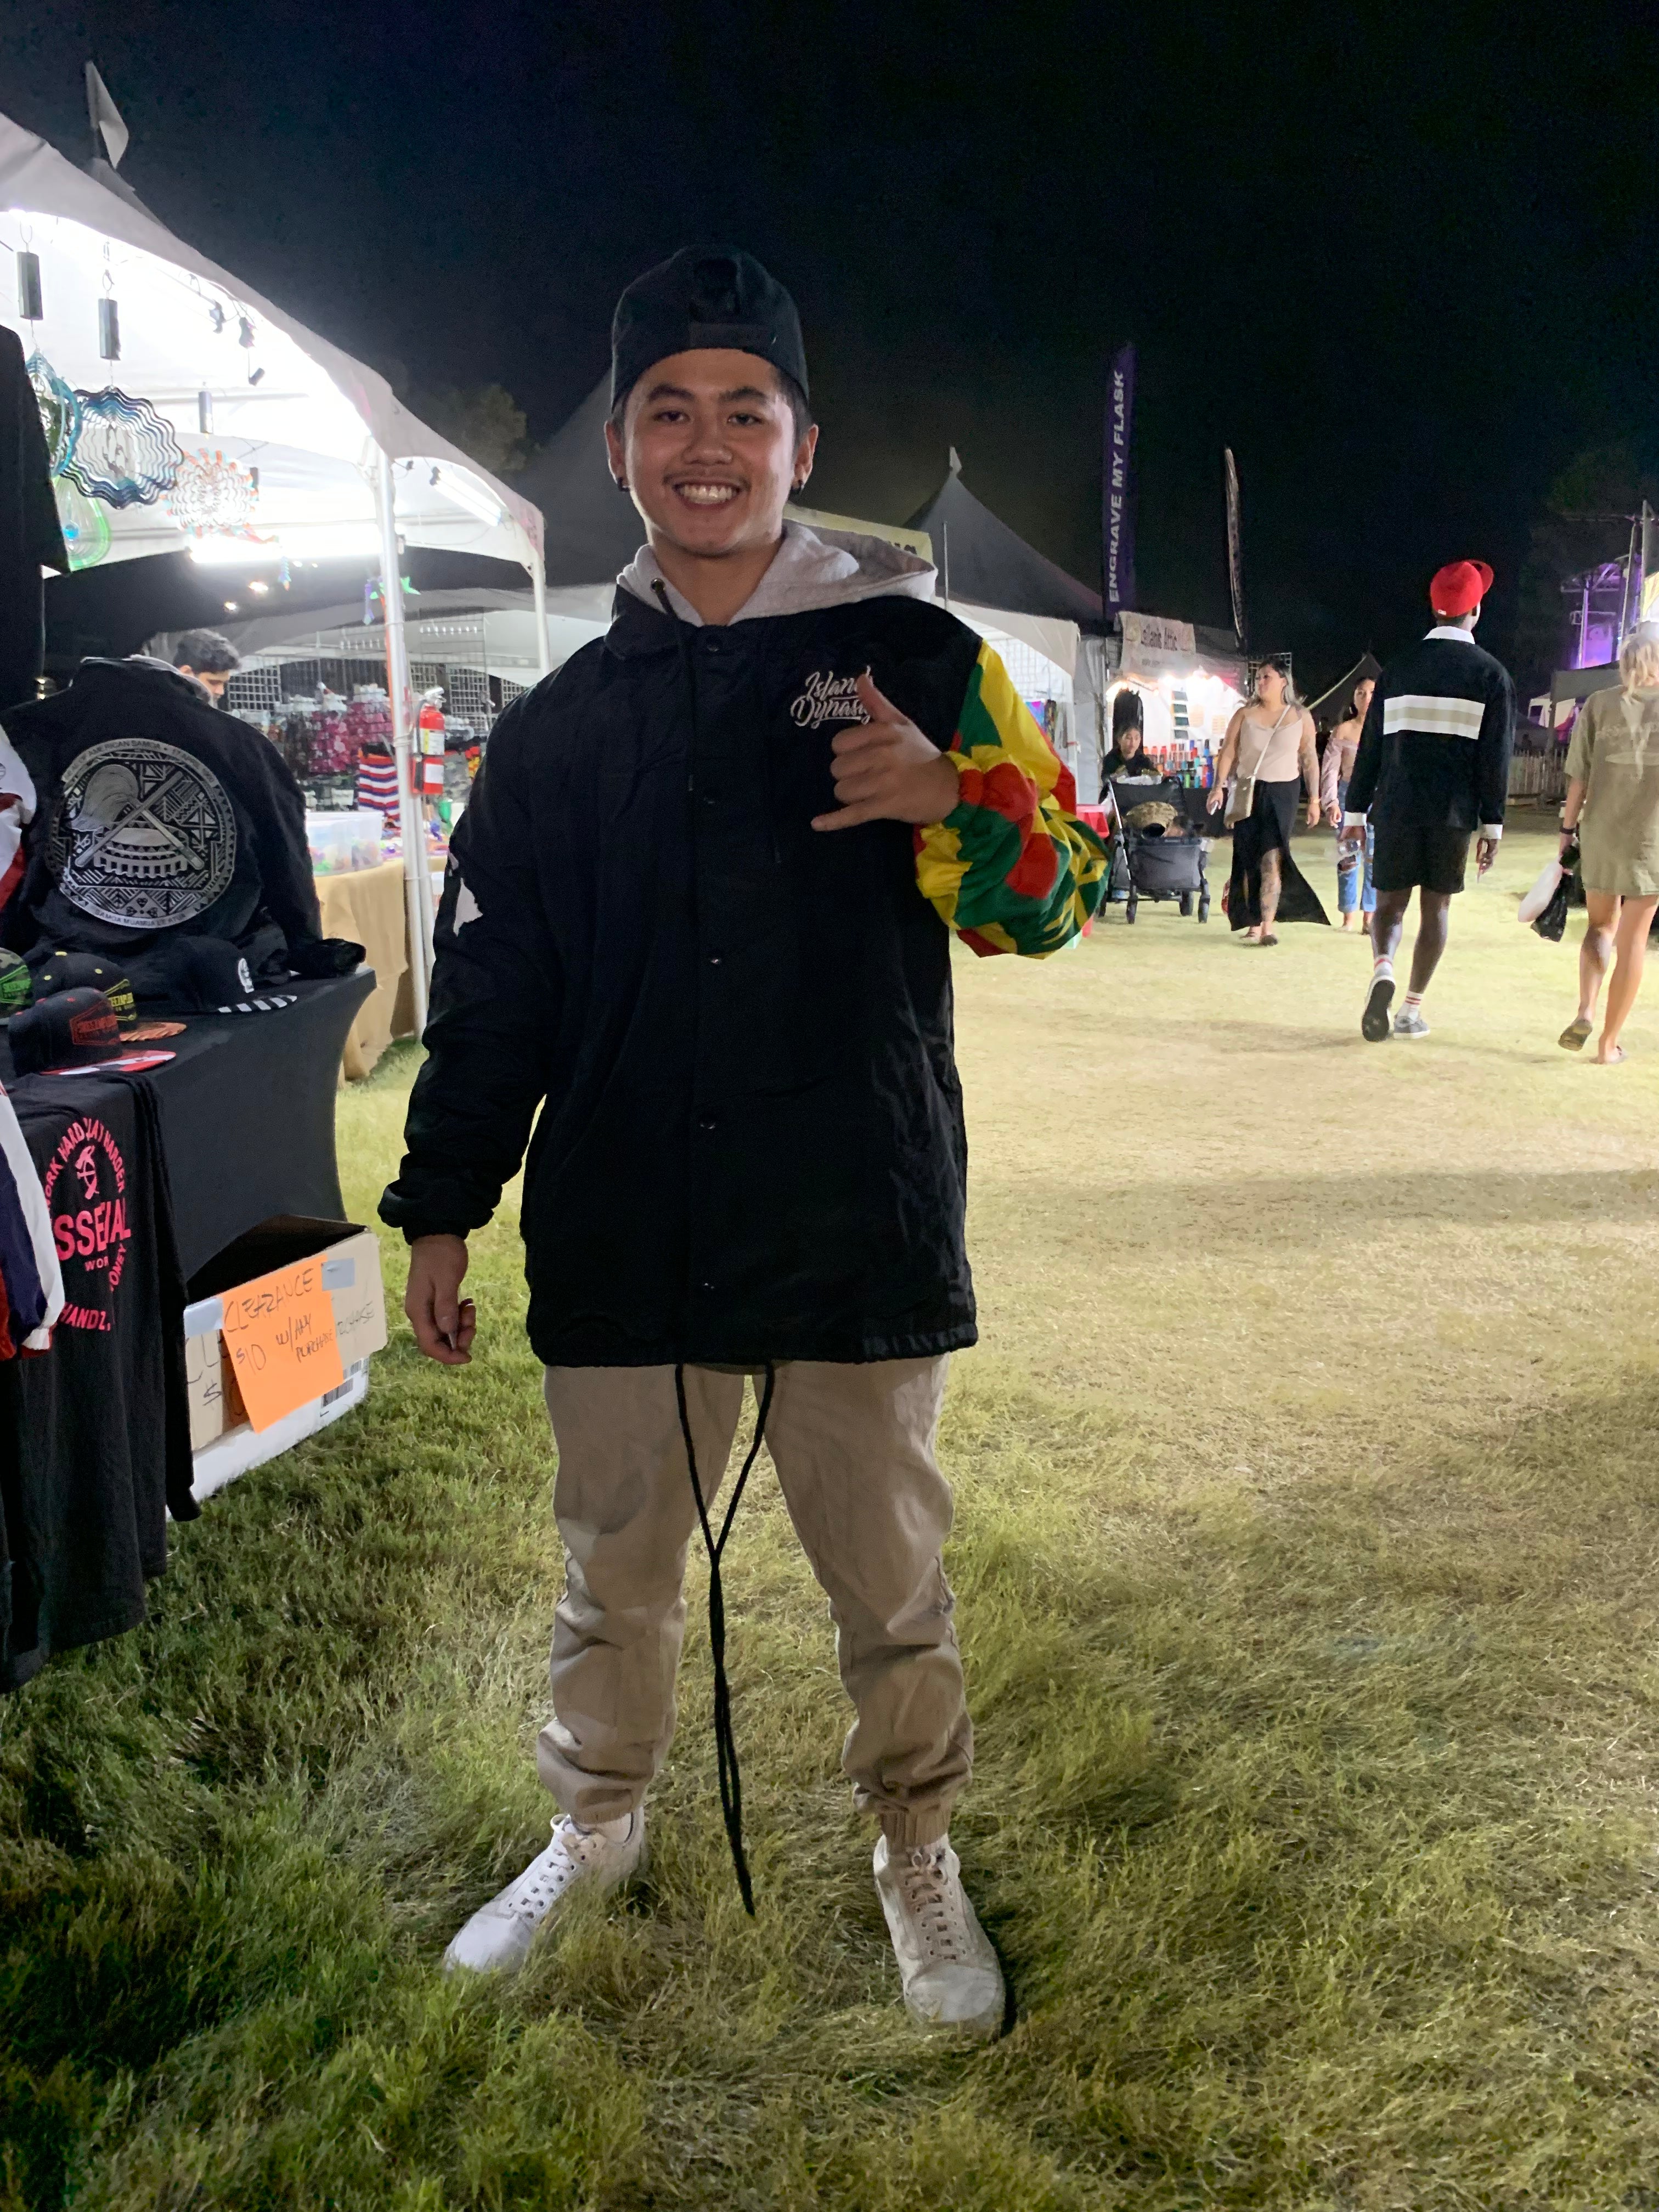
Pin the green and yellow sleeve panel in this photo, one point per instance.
(1009, 868)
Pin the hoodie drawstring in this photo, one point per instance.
(725, 1742)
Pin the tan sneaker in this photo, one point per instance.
(497, 1938)
(951, 1975)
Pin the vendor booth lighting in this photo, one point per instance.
(468, 495)
(310, 541)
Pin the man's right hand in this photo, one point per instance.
(444, 1321)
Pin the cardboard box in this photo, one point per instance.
(351, 1276)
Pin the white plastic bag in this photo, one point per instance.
(1542, 892)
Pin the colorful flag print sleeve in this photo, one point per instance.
(1011, 868)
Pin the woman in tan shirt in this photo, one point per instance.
(1267, 742)
(1613, 803)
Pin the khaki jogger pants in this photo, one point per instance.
(854, 1451)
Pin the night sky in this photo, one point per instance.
(1403, 262)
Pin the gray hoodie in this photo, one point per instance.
(812, 569)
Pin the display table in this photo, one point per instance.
(246, 1110)
(367, 905)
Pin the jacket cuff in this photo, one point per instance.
(1492, 829)
(1352, 821)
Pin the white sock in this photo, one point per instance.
(1412, 998)
(1382, 966)
(614, 1832)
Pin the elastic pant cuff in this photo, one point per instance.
(917, 1824)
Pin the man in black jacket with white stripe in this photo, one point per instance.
(1432, 770)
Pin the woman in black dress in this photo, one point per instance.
(1267, 742)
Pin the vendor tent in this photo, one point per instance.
(592, 528)
(185, 412)
(981, 560)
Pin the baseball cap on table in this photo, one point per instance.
(704, 296)
(85, 971)
(209, 976)
(1459, 588)
(77, 1028)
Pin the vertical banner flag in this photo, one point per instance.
(1235, 551)
(1118, 518)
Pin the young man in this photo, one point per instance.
(211, 658)
(696, 913)
(1433, 768)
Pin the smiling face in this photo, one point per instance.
(709, 453)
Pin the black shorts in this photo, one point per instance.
(1407, 855)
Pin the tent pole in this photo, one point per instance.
(413, 829)
(539, 587)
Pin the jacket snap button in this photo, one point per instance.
(714, 959)
(707, 1127)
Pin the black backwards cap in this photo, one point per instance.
(702, 297)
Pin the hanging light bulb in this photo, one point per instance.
(204, 412)
(28, 286)
(244, 331)
(255, 376)
(215, 316)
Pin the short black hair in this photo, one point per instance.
(206, 651)
(799, 404)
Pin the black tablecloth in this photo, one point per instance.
(247, 1113)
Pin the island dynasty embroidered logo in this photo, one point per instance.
(827, 697)
(86, 1188)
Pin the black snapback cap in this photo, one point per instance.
(704, 296)
(75, 1028)
(85, 971)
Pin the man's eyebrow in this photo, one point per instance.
(679, 392)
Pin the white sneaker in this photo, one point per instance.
(498, 1936)
(951, 1975)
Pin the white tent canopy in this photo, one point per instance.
(185, 412)
(220, 383)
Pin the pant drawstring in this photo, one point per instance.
(725, 1742)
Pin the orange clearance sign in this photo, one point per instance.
(279, 1332)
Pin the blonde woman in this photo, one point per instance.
(1613, 803)
(1267, 742)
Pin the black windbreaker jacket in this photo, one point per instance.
(156, 813)
(752, 1145)
(737, 1028)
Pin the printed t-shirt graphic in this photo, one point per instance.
(85, 1183)
(143, 836)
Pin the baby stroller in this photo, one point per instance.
(1162, 857)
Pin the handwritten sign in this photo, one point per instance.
(279, 1335)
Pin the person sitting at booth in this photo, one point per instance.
(208, 659)
(1128, 756)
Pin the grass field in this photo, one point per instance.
(1306, 1558)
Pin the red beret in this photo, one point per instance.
(1459, 588)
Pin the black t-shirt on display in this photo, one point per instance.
(94, 1435)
